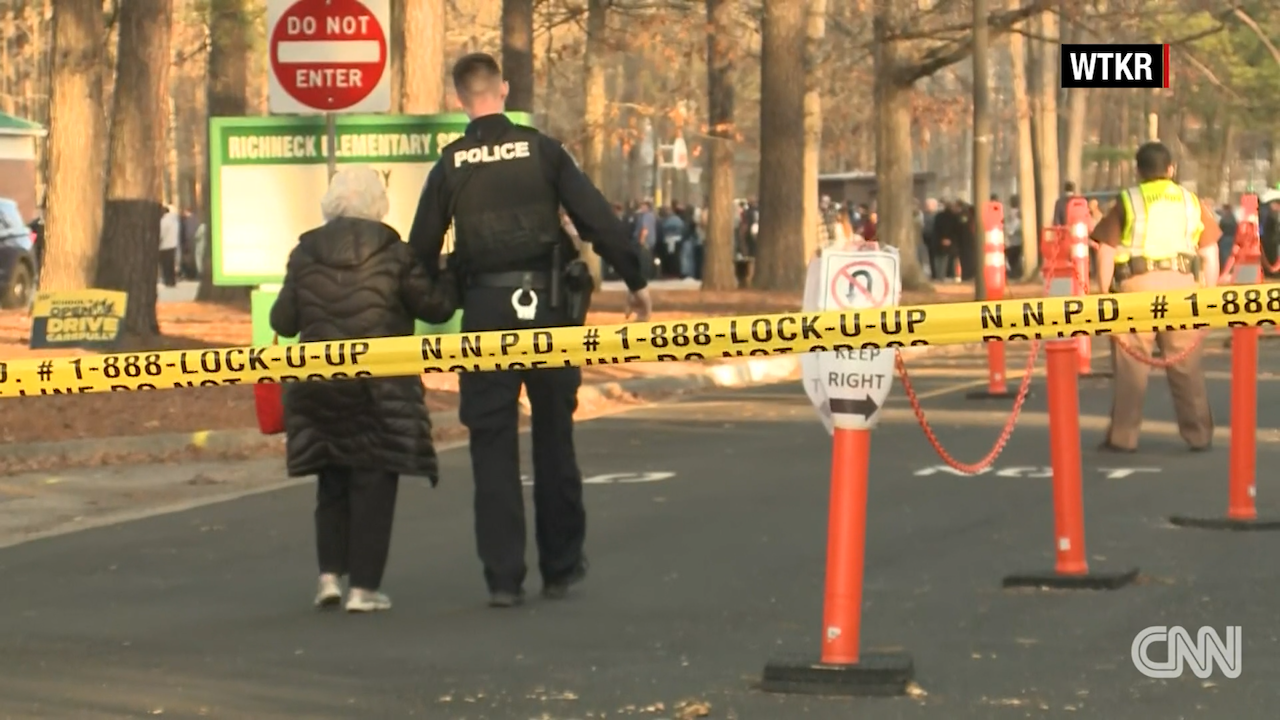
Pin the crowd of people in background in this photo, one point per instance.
(672, 237)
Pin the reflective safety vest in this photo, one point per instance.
(1162, 221)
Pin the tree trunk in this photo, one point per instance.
(895, 180)
(632, 66)
(1106, 124)
(517, 53)
(1035, 103)
(717, 267)
(1117, 169)
(981, 143)
(1026, 158)
(8, 29)
(780, 260)
(396, 59)
(227, 91)
(1153, 116)
(135, 164)
(422, 74)
(1050, 180)
(596, 99)
(1077, 108)
(73, 213)
(226, 95)
(816, 29)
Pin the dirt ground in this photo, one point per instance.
(196, 325)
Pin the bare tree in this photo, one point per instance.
(517, 52)
(780, 258)
(717, 267)
(981, 143)
(1077, 109)
(815, 32)
(1026, 156)
(900, 63)
(227, 95)
(421, 86)
(594, 119)
(136, 162)
(76, 151)
(1047, 114)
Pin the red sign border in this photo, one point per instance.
(274, 64)
(844, 272)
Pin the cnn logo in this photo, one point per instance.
(1201, 652)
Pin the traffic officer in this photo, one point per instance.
(1149, 241)
(502, 186)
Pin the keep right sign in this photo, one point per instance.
(850, 386)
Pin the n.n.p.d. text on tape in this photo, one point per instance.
(668, 341)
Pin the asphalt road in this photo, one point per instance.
(697, 580)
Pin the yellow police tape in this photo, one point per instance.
(667, 341)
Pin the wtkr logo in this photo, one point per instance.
(1201, 653)
(1115, 66)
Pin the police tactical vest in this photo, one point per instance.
(1162, 221)
(506, 214)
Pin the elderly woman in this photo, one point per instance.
(353, 278)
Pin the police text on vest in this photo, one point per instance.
(492, 153)
(1115, 66)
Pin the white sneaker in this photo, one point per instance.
(359, 600)
(329, 593)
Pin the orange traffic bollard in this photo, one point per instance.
(1078, 229)
(994, 274)
(850, 413)
(846, 546)
(1071, 570)
(1242, 491)
(1064, 455)
(842, 669)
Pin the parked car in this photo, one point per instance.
(17, 258)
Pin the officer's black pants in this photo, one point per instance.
(354, 511)
(490, 410)
(490, 403)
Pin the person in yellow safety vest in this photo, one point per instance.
(1149, 241)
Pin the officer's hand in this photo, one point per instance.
(639, 305)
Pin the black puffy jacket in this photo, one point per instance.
(354, 278)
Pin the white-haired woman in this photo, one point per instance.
(353, 278)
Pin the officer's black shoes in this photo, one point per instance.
(558, 589)
(505, 599)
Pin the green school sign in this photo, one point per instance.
(267, 175)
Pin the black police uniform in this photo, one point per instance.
(502, 185)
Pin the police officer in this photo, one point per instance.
(1149, 241)
(502, 186)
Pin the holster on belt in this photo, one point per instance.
(572, 284)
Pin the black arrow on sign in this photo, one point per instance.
(866, 407)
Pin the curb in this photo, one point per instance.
(739, 374)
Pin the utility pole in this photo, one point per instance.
(981, 143)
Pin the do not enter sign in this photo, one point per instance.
(329, 56)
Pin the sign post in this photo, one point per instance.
(329, 56)
(855, 384)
